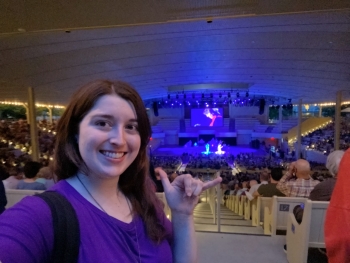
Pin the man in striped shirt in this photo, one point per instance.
(297, 182)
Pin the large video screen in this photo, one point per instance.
(207, 117)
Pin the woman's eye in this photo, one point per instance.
(103, 124)
(131, 127)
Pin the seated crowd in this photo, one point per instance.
(323, 139)
(278, 180)
(15, 142)
(32, 177)
(243, 175)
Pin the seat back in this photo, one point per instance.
(310, 233)
(258, 206)
(236, 205)
(15, 195)
(318, 216)
(281, 206)
(247, 209)
(241, 205)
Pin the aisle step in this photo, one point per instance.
(230, 229)
(229, 221)
(232, 222)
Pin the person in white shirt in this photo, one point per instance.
(264, 179)
(12, 181)
(244, 188)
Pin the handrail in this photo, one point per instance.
(218, 201)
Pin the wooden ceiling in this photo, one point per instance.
(289, 51)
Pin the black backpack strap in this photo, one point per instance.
(65, 226)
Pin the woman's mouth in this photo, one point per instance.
(113, 155)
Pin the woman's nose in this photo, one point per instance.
(117, 136)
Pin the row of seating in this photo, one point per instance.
(276, 213)
(14, 196)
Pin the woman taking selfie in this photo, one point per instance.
(102, 167)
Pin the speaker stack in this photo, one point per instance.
(261, 106)
(155, 108)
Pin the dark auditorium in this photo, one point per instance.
(175, 131)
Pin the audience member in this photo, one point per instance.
(243, 187)
(173, 177)
(225, 190)
(224, 187)
(3, 201)
(30, 171)
(323, 191)
(264, 179)
(270, 189)
(337, 223)
(236, 187)
(252, 183)
(12, 181)
(46, 177)
(156, 179)
(297, 181)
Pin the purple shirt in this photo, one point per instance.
(26, 233)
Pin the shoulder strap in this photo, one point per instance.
(66, 228)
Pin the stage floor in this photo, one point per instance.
(179, 150)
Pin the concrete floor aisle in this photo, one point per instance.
(230, 222)
(230, 248)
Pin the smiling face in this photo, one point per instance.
(108, 138)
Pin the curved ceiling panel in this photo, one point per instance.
(292, 56)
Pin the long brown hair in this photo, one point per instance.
(134, 182)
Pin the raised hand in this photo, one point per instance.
(183, 193)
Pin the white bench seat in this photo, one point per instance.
(276, 214)
(310, 233)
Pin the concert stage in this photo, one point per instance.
(179, 150)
